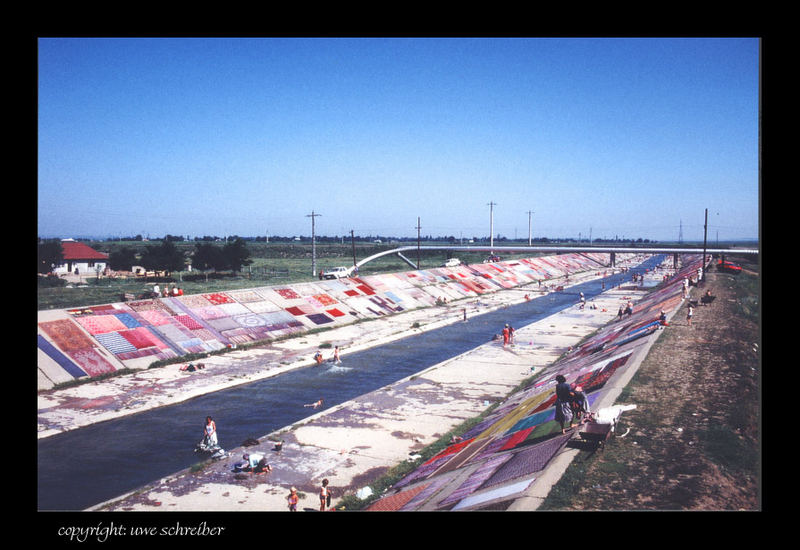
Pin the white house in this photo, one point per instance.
(80, 258)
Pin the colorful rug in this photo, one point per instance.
(319, 318)
(91, 362)
(394, 502)
(99, 324)
(245, 296)
(128, 320)
(115, 342)
(421, 497)
(194, 301)
(250, 320)
(210, 312)
(325, 300)
(476, 479)
(527, 461)
(62, 360)
(506, 492)
(204, 334)
(188, 321)
(218, 298)
(175, 333)
(300, 310)
(155, 317)
(288, 293)
(335, 312)
(423, 471)
(141, 338)
(66, 335)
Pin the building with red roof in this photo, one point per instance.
(80, 258)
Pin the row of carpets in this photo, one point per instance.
(95, 340)
(498, 459)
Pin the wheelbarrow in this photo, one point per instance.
(596, 433)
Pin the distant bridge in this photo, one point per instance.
(675, 251)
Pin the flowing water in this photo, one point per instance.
(84, 467)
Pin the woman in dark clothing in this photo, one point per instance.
(564, 398)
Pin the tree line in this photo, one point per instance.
(165, 256)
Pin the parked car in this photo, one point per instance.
(337, 273)
(452, 262)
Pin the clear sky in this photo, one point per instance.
(631, 137)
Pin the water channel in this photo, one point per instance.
(87, 466)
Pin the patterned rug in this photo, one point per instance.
(219, 298)
(476, 479)
(527, 461)
(288, 293)
(506, 492)
(115, 342)
(394, 502)
(63, 361)
(66, 335)
(188, 321)
(99, 324)
(141, 338)
(325, 300)
(194, 301)
(155, 317)
(91, 362)
(210, 312)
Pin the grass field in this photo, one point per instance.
(272, 264)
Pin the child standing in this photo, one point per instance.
(292, 499)
(324, 495)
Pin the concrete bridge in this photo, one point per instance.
(675, 251)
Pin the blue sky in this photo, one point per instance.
(213, 136)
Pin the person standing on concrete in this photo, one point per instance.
(324, 495)
(292, 500)
(506, 335)
(335, 357)
(689, 314)
(564, 398)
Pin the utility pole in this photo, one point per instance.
(491, 227)
(530, 234)
(705, 229)
(418, 229)
(313, 244)
(353, 241)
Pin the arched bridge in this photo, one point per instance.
(675, 251)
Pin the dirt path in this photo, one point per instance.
(693, 442)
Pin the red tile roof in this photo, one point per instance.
(74, 250)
